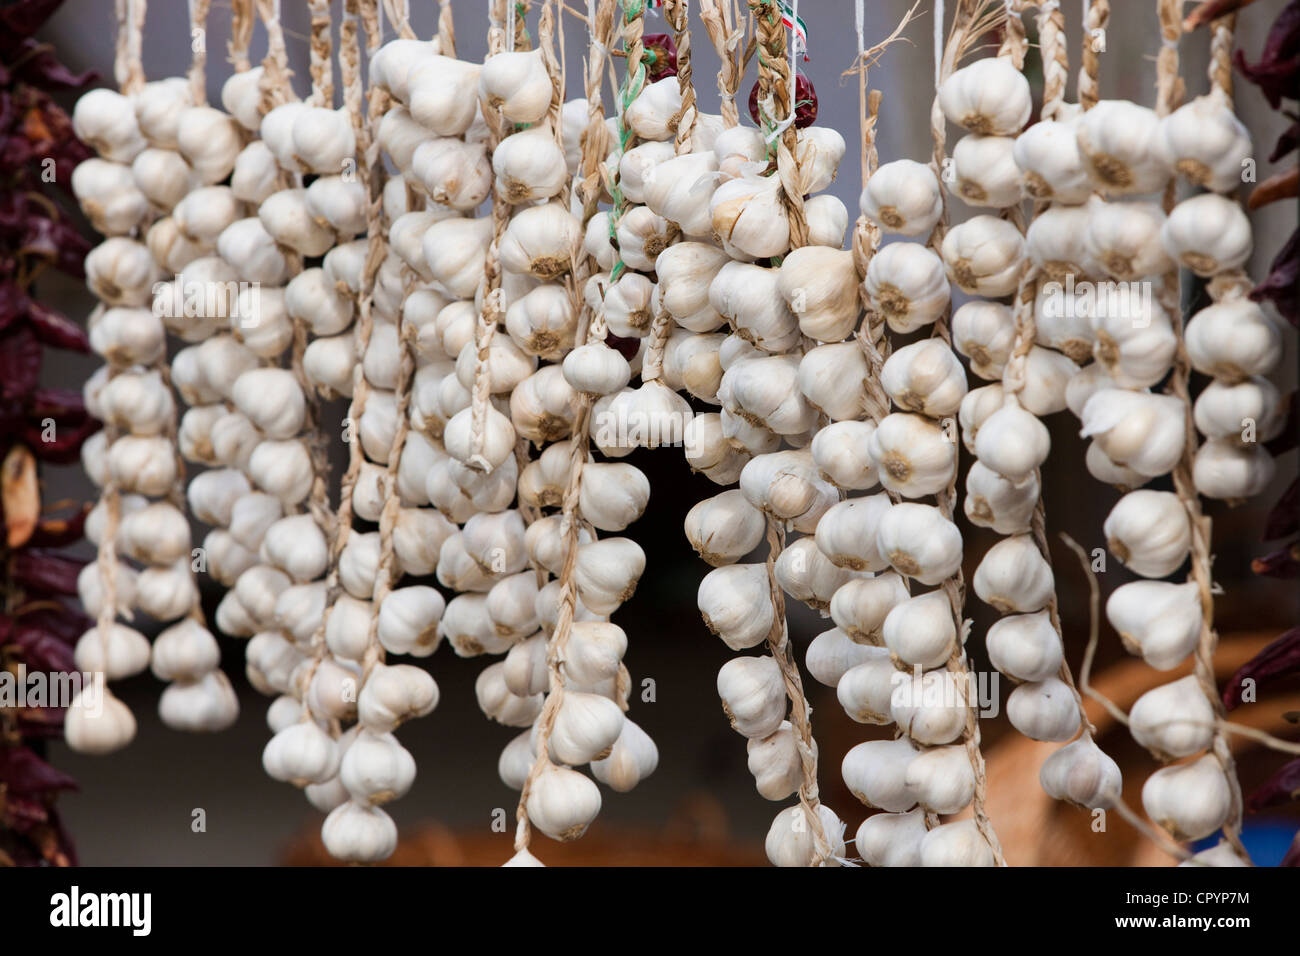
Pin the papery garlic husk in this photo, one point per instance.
(1047, 374)
(919, 542)
(256, 174)
(735, 603)
(791, 842)
(820, 285)
(1044, 710)
(956, 844)
(920, 631)
(832, 654)
(724, 528)
(1124, 238)
(1025, 647)
(213, 494)
(105, 121)
(1081, 774)
(989, 96)
(1205, 142)
(775, 764)
(985, 171)
(828, 220)
(913, 455)
(680, 189)
(613, 495)
(708, 449)
(875, 773)
(1174, 720)
(931, 708)
(454, 250)
(376, 769)
(753, 695)
(628, 307)
(1189, 801)
(301, 754)
(596, 369)
(1056, 242)
(1013, 443)
(511, 605)
(452, 172)
(143, 464)
(1149, 532)
(296, 545)
(694, 362)
(1140, 430)
(1136, 344)
(1233, 340)
(942, 779)
(498, 444)
(984, 332)
(1228, 470)
(607, 572)
(562, 802)
(841, 451)
(903, 197)
(210, 141)
(543, 322)
(1122, 149)
(1110, 473)
(747, 295)
(167, 592)
(925, 377)
(653, 114)
(585, 729)
(685, 271)
(891, 839)
(499, 704)
(128, 337)
(983, 255)
(638, 167)
(339, 201)
(1208, 234)
(247, 246)
(528, 165)
(750, 214)
(907, 284)
(121, 271)
(1013, 576)
(1048, 156)
(764, 392)
(286, 216)
(633, 758)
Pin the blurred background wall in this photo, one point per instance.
(136, 807)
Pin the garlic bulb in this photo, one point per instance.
(1081, 774)
(903, 197)
(983, 256)
(747, 295)
(984, 332)
(920, 630)
(1189, 800)
(1208, 234)
(875, 773)
(919, 542)
(753, 695)
(750, 214)
(861, 605)
(941, 779)
(931, 709)
(724, 528)
(516, 83)
(98, 726)
(1013, 576)
(633, 758)
(848, 536)
(1125, 238)
(1205, 142)
(989, 96)
(907, 283)
(562, 802)
(1122, 149)
(891, 839)
(841, 451)
(774, 762)
(821, 287)
(1173, 720)
(925, 377)
(985, 171)
(865, 689)
(1044, 710)
(913, 455)
(359, 833)
(1012, 442)
(1233, 340)
(790, 840)
(1025, 647)
(1139, 430)
(735, 603)
(1048, 156)
(1149, 532)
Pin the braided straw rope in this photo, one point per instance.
(275, 86)
(241, 35)
(199, 47)
(322, 77)
(1094, 23)
(1169, 95)
(719, 18)
(971, 18)
(593, 145)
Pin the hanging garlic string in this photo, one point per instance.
(446, 30)
(971, 20)
(241, 35)
(728, 40)
(276, 81)
(676, 14)
(1096, 17)
(1169, 95)
(322, 77)
(199, 44)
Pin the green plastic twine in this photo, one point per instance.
(633, 83)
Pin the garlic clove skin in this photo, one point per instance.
(920, 631)
(1226, 470)
(393, 694)
(753, 695)
(1173, 720)
(841, 451)
(942, 779)
(750, 214)
(735, 603)
(904, 197)
(301, 754)
(834, 653)
(1044, 710)
(1149, 532)
(1189, 801)
(985, 171)
(724, 528)
(984, 332)
(1233, 340)
(356, 832)
(1121, 147)
(1048, 156)
(1025, 647)
(875, 772)
(1081, 774)
(123, 653)
(1013, 576)
(791, 842)
(820, 285)
(847, 535)
(807, 575)
(956, 844)
(860, 606)
(1139, 430)
(585, 729)
(891, 839)
(989, 96)
(562, 803)
(97, 725)
(1208, 234)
